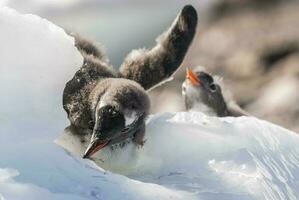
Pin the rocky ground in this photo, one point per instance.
(254, 46)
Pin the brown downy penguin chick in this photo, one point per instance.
(201, 93)
(111, 107)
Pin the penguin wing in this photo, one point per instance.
(88, 47)
(94, 68)
(149, 67)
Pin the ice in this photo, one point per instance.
(186, 155)
(53, 174)
(213, 158)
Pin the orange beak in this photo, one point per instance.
(192, 77)
(94, 147)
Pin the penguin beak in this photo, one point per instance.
(94, 146)
(97, 142)
(192, 77)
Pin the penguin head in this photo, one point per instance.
(112, 125)
(109, 123)
(200, 90)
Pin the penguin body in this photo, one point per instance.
(110, 106)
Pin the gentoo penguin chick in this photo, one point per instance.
(105, 106)
(201, 93)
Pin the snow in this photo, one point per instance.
(236, 158)
(186, 155)
(212, 158)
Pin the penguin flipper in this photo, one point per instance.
(88, 47)
(150, 67)
(94, 67)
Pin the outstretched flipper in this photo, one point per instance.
(150, 67)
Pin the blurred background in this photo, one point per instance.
(252, 44)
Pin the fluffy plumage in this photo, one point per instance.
(98, 91)
(149, 67)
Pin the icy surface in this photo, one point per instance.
(212, 158)
(186, 155)
(232, 158)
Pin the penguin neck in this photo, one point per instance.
(199, 106)
(219, 106)
(222, 110)
(193, 102)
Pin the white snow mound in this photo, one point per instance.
(211, 158)
(186, 155)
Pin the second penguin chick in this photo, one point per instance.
(201, 93)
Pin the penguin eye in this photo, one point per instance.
(133, 107)
(213, 87)
(113, 112)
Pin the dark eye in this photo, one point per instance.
(133, 107)
(213, 87)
